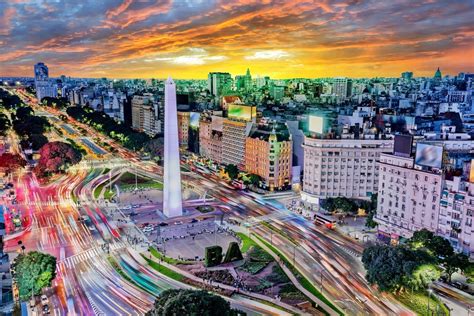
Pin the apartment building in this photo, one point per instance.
(183, 128)
(210, 137)
(456, 214)
(269, 155)
(408, 197)
(234, 134)
(342, 167)
(145, 114)
(235, 129)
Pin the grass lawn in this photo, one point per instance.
(303, 281)
(109, 194)
(99, 189)
(247, 243)
(164, 270)
(127, 182)
(166, 259)
(418, 302)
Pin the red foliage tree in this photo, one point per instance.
(10, 162)
(56, 157)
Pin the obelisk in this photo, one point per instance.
(172, 201)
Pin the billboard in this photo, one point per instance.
(242, 112)
(316, 124)
(429, 155)
(402, 145)
(194, 119)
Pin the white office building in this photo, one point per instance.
(341, 167)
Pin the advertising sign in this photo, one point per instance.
(316, 124)
(429, 155)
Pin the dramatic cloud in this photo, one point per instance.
(187, 39)
(268, 54)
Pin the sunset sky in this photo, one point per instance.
(282, 39)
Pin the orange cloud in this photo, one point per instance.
(277, 38)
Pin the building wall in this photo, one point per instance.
(342, 167)
(270, 159)
(210, 141)
(183, 128)
(456, 215)
(233, 142)
(408, 198)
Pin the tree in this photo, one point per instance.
(436, 245)
(155, 147)
(392, 268)
(10, 162)
(34, 141)
(232, 171)
(369, 221)
(5, 124)
(56, 157)
(31, 125)
(420, 238)
(423, 275)
(233, 253)
(213, 256)
(371, 208)
(254, 179)
(32, 272)
(23, 112)
(191, 302)
(55, 102)
(454, 262)
(341, 204)
(9, 101)
(440, 247)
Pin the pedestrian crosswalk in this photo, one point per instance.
(90, 253)
(349, 251)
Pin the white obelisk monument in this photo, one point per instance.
(172, 201)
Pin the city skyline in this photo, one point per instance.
(129, 39)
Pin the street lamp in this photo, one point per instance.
(429, 298)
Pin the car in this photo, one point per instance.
(46, 310)
(147, 229)
(44, 300)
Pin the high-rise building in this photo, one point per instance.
(236, 127)
(277, 92)
(41, 72)
(219, 83)
(407, 75)
(172, 200)
(233, 141)
(342, 167)
(269, 155)
(145, 114)
(183, 128)
(210, 137)
(44, 87)
(437, 76)
(408, 198)
(342, 87)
